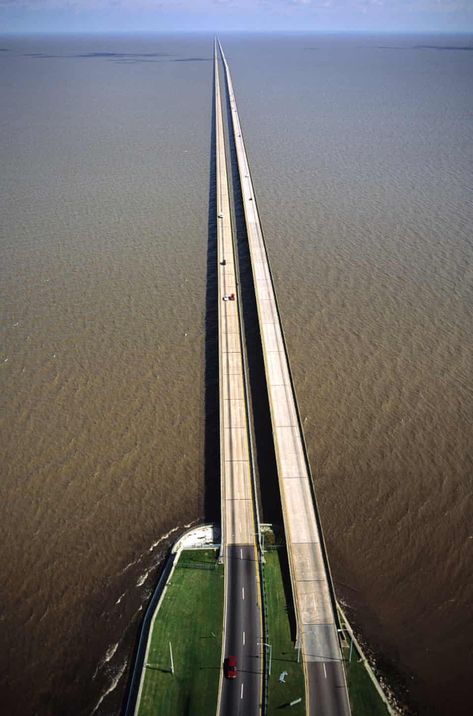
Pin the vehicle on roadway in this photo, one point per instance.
(231, 671)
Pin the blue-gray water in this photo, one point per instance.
(361, 149)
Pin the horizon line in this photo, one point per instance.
(210, 31)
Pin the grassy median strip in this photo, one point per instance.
(284, 656)
(190, 617)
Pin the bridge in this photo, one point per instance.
(312, 589)
(242, 621)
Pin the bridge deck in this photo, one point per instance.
(237, 493)
(242, 625)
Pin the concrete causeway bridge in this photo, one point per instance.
(243, 620)
(240, 549)
(312, 589)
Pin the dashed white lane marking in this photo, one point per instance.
(325, 671)
(241, 691)
(244, 638)
(241, 553)
(243, 592)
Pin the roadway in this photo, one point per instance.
(242, 696)
(242, 618)
(314, 601)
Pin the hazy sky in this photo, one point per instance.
(156, 15)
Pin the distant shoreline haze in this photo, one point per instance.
(205, 15)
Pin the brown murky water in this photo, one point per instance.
(361, 154)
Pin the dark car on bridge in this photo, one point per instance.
(230, 666)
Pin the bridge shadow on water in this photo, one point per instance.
(266, 467)
(269, 497)
(211, 435)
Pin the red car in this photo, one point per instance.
(231, 670)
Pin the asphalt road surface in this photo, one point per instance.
(327, 694)
(242, 696)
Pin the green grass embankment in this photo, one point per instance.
(284, 655)
(364, 698)
(190, 617)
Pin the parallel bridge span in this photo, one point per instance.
(311, 583)
(242, 620)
